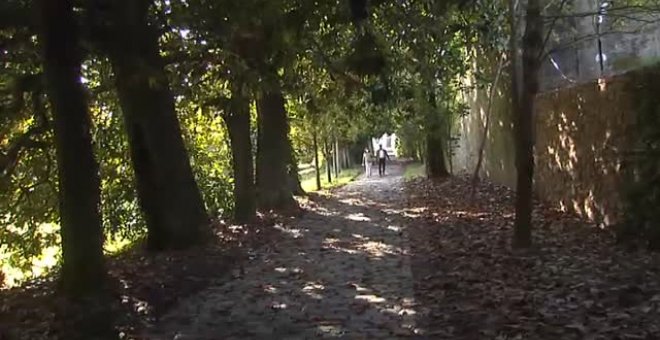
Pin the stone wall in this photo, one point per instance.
(582, 130)
(499, 152)
(582, 133)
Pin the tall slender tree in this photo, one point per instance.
(317, 169)
(532, 47)
(78, 171)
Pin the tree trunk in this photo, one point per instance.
(316, 160)
(435, 156)
(238, 127)
(435, 143)
(273, 153)
(484, 135)
(78, 172)
(293, 172)
(167, 190)
(336, 161)
(328, 161)
(532, 49)
(449, 150)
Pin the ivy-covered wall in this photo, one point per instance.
(585, 141)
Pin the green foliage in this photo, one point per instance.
(206, 137)
(345, 176)
(367, 57)
(410, 139)
(415, 170)
(398, 69)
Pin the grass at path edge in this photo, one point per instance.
(345, 176)
(414, 170)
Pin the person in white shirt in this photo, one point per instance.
(382, 157)
(366, 161)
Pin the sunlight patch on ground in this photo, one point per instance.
(360, 289)
(124, 284)
(141, 307)
(394, 228)
(351, 201)
(374, 299)
(295, 233)
(379, 249)
(283, 270)
(414, 213)
(373, 249)
(358, 201)
(331, 330)
(325, 212)
(270, 289)
(312, 290)
(277, 305)
(393, 211)
(332, 243)
(405, 307)
(358, 217)
(400, 310)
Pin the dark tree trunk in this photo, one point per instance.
(435, 144)
(293, 172)
(336, 159)
(238, 126)
(435, 156)
(532, 49)
(420, 151)
(316, 160)
(328, 161)
(273, 153)
(78, 172)
(167, 190)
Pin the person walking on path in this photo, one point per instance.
(382, 157)
(366, 161)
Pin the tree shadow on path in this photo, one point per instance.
(343, 270)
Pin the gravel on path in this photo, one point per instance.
(343, 270)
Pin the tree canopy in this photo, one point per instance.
(155, 119)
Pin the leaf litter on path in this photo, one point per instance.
(379, 259)
(575, 283)
(141, 287)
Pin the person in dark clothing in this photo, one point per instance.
(382, 157)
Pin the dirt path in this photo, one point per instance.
(343, 270)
